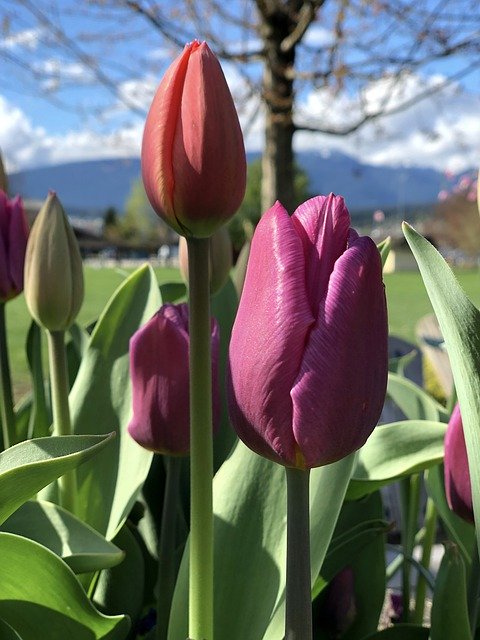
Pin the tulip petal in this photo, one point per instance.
(159, 371)
(208, 147)
(322, 223)
(343, 376)
(458, 486)
(268, 338)
(158, 138)
(18, 236)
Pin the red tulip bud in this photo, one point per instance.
(457, 476)
(13, 244)
(193, 157)
(308, 353)
(159, 370)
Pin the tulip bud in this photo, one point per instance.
(193, 157)
(159, 371)
(220, 259)
(53, 268)
(13, 243)
(458, 487)
(308, 352)
(338, 608)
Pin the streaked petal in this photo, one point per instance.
(18, 236)
(340, 389)
(458, 486)
(268, 338)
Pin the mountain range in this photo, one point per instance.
(88, 188)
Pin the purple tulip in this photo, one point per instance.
(457, 476)
(308, 354)
(13, 243)
(159, 370)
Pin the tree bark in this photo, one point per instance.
(278, 97)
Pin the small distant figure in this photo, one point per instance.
(163, 254)
(378, 216)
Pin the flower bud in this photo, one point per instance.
(13, 243)
(53, 268)
(458, 487)
(308, 355)
(3, 176)
(193, 156)
(220, 259)
(160, 386)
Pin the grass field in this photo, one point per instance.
(406, 295)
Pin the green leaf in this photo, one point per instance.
(250, 519)
(461, 532)
(394, 451)
(401, 632)
(82, 548)
(449, 609)
(399, 364)
(345, 548)
(224, 308)
(7, 632)
(384, 248)
(39, 595)
(413, 401)
(101, 399)
(459, 323)
(173, 291)
(29, 466)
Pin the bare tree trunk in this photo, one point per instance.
(277, 89)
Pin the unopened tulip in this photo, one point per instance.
(53, 269)
(308, 353)
(458, 487)
(220, 259)
(159, 371)
(193, 157)
(13, 242)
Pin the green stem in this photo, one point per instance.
(62, 426)
(298, 602)
(430, 526)
(201, 450)
(166, 552)
(410, 488)
(6, 399)
(474, 591)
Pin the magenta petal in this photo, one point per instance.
(268, 338)
(323, 224)
(339, 392)
(458, 486)
(5, 284)
(18, 236)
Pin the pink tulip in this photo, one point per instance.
(13, 243)
(159, 371)
(193, 157)
(457, 476)
(308, 353)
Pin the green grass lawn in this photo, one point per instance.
(406, 295)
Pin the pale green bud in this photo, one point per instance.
(220, 258)
(53, 268)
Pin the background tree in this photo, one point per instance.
(140, 224)
(366, 50)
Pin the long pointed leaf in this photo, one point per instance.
(459, 322)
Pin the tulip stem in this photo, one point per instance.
(410, 493)
(298, 602)
(201, 448)
(166, 552)
(7, 414)
(430, 529)
(62, 425)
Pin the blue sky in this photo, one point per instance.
(82, 119)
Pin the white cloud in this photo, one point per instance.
(317, 36)
(442, 132)
(28, 39)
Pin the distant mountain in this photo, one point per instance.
(95, 185)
